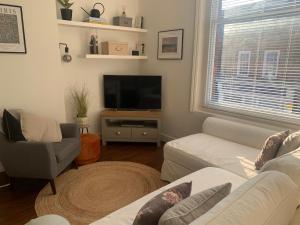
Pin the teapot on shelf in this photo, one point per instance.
(95, 13)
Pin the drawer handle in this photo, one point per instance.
(145, 134)
(118, 133)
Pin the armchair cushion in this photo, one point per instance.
(40, 129)
(12, 127)
(65, 148)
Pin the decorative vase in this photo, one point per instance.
(66, 14)
(83, 122)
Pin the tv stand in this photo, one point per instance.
(130, 126)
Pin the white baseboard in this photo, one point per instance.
(166, 138)
(1, 168)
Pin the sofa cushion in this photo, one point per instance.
(291, 143)
(238, 132)
(12, 127)
(39, 129)
(155, 208)
(202, 180)
(64, 148)
(288, 164)
(270, 148)
(267, 199)
(191, 208)
(201, 150)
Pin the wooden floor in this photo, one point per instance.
(17, 205)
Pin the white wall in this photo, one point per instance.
(159, 15)
(89, 72)
(33, 81)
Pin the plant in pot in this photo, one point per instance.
(66, 12)
(80, 99)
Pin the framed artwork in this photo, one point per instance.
(170, 44)
(12, 36)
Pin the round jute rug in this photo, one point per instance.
(94, 191)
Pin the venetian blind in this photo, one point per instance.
(254, 58)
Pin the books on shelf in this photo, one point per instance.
(96, 20)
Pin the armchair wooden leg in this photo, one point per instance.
(53, 188)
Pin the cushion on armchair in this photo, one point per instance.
(12, 127)
(40, 129)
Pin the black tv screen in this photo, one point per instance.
(132, 92)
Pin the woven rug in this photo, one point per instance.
(94, 191)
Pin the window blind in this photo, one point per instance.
(254, 58)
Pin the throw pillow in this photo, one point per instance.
(270, 148)
(12, 127)
(291, 143)
(266, 199)
(40, 129)
(155, 208)
(195, 206)
(288, 164)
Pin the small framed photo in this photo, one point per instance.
(12, 36)
(139, 22)
(170, 44)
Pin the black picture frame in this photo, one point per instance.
(18, 12)
(180, 36)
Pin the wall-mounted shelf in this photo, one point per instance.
(99, 26)
(116, 57)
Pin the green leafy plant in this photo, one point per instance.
(66, 3)
(80, 99)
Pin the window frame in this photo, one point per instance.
(238, 73)
(265, 64)
(201, 75)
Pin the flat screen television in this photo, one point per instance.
(123, 92)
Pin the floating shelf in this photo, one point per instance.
(99, 26)
(116, 57)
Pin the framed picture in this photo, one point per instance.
(12, 36)
(170, 44)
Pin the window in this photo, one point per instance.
(264, 80)
(271, 60)
(243, 63)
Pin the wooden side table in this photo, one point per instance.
(90, 149)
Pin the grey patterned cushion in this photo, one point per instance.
(291, 143)
(155, 208)
(195, 206)
(270, 148)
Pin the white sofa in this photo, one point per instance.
(269, 198)
(232, 146)
(264, 207)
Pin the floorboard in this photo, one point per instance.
(17, 204)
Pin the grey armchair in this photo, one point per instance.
(40, 160)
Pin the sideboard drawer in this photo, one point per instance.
(144, 133)
(118, 132)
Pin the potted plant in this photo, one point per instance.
(80, 99)
(66, 12)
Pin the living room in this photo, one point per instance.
(219, 107)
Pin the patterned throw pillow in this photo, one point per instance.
(270, 148)
(151, 212)
(195, 206)
(291, 143)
